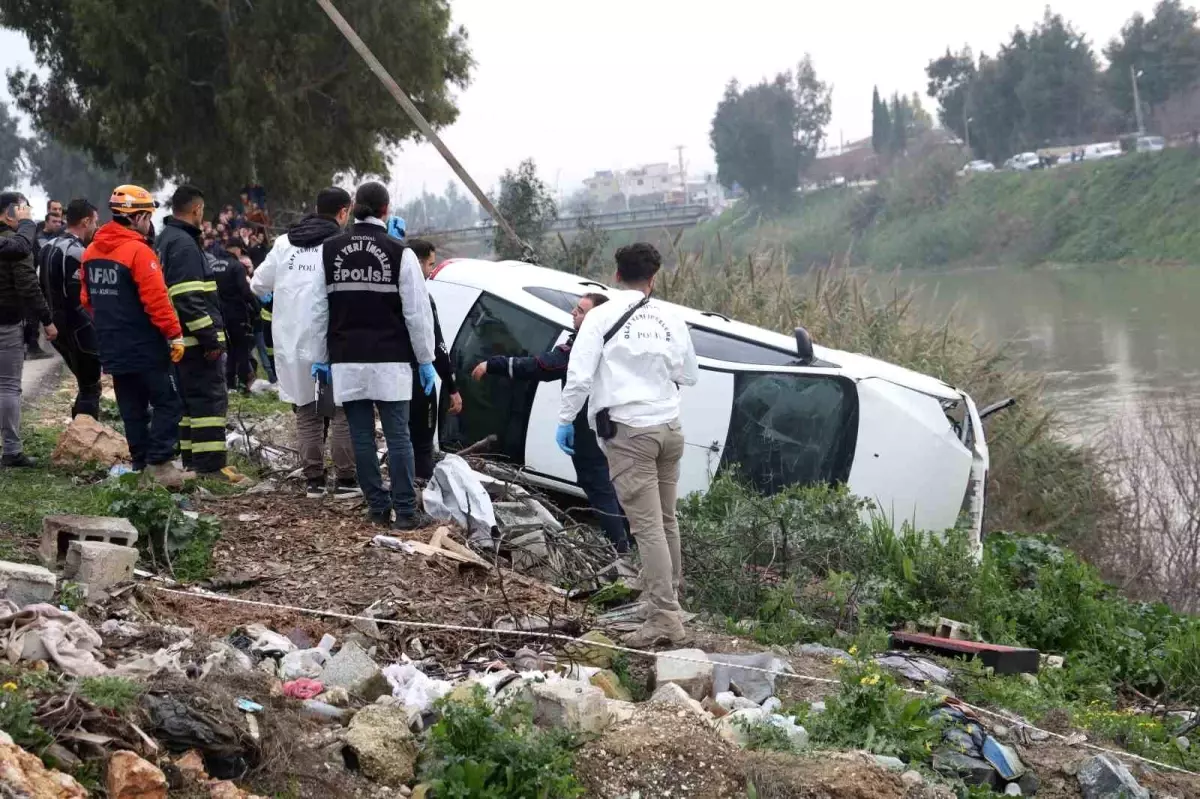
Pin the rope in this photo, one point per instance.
(643, 653)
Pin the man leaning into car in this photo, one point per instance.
(631, 355)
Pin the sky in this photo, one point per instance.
(582, 86)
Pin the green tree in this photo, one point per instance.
(65, 174)
(12, 147)
(1166, 51)
(950, 77)
(881, 125)
(525, 201)
(901, 114)
(221, 92)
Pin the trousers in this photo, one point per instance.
(12, 367)
(311, 432)
(394, 418)
(591, 472)
(422, 421)
(84, 362)
(237, 360)
(151, 409)
(205, 403)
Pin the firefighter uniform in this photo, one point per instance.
(192, 287)
(266, 341)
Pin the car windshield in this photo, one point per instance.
(791, 429)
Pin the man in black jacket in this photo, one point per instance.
(60, 259)
(591, 467)
(238, 308)
(20, 299)
(48, 229)
(423, 408)
(193, 291)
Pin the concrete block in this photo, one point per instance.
(59, 531)
(353, 669)
(572, 705)
(99, 565)
(26, 584)
(694, 677)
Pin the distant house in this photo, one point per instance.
(854, 161)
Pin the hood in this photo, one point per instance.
(312, 230)
(112, 235)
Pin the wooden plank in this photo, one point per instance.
(1004, 659)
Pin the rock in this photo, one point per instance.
(797, 736)
(1013, 789)
(191, 766)
(526, 660)
(891, 763)
(336, 696)
(610, 684)
(1004, 759)
(5, 739)
(754, 685)
(353, 669)
(818, 650)
(816, 707)
(24, 584)
(970, 770)
(131, 777)
(268, 486)
(917, 669)
(381, 745)
(672, 694)
(730, 702)
(710, 706)
(772, 705)
(1183, 743)
(1000, 731)
(694, 677)
(620, 710)
(571, 705)
(598, 653)
(62, 757)
(1030, 783)
(734, 727)
(99, 565)
(87, 441)
(23, 775)
(912, 779)
(59, 531)
(1104, 777)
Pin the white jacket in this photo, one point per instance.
(636, 375)
(300, 315)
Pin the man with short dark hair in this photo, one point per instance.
(192, 287)
(61, 264)
(630, 357)
(238, 309)
(379, 322)
(47, 230)
(20, 299)
(292, 279)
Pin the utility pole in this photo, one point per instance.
(967, 129)
(1137, 101)
(682, 174)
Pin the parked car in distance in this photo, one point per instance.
(1102, 151)
(779, 409)
(1151, 144)
(977, 166)
(1024, 162)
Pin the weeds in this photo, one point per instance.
(16, 718)
(110, 693)
(165, 532)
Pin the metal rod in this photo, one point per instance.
(418, 119)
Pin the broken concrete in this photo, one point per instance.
(1104, 777)
(380, 744)
(88, 441)
(672, 694)
(98, 564)
(596, 652)
(356, 671)
(694, 675)
(754, 685)
(571, 705)
(25, 584)
(59, 531)
(735, 727)
(131, 777)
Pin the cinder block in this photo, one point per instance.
(99, 565)
(59, 531)
(25, 584)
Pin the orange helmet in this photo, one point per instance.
(128, 200)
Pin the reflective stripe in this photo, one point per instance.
(265, 315)
(192, 341)
(185, 421)
(185, 445)
(208, 421)
(200, 324)
(378, 288)
(271, 352)
(208, 446)
(191, 285)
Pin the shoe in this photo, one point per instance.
(382, 518)
(18, 461)
(169, 475)
(346, 489)
(660, 628)
(38, 354)
(414, 522)
(315, 488)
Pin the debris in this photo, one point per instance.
(23, 775)
(381, 745)
(59, 531)
(182, 728)
(268, 486)
(43, 632)
(531, 623)
(353, 669)
(455, 493)
(912, 779)
(260, 386)
(1004, 659)
(87, 441)
(414, 688)
(248, 706)
(252, 448)
(948, 628)
(1103, 777)
(735, 727)
(1013, 789)
(610, 684)
(316, 710)
(914, 668)
(671, 694)
(526, 659)
(732, 702)
(754, 685)
(268, 643)
(421, 548)
(302, 663)
(571, 705)
(970, 770)
(821, 651)
(24, 584)
(597, 651)
(891, 763)
(1004, 759)
(302, 688)
(224, 655)
(99, 565)
(336, 696)
(131, 777)
(694, 677)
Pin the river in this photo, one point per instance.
(1110, 340)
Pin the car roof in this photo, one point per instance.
(510, 279)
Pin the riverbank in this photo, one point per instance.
(1138, 208)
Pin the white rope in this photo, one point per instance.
(643, 653)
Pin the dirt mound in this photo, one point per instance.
(822, 775)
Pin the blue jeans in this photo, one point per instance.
(268, 362)
(360, 414)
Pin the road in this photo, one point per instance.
(41, 376)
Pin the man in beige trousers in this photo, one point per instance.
(631, 355)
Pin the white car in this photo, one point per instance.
(1151, 144)
(1102, 151)
(1024, 162)
(978, 166)
(782, 409)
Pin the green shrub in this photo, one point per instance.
(166, 534)
(484, 753)
(110, 693)
(16, 718)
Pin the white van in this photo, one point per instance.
(782, 409)
(1102, 151)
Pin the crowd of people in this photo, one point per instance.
(338, 312)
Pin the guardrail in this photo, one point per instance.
(641, 219)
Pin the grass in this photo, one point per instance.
(110, 693)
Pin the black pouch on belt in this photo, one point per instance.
(606, 428)
(325, 407)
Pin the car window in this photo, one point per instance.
(495, 405)
(710, 344)
(791, 429)
(559, 299)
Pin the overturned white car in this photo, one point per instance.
(785, 411)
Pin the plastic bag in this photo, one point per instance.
(456, 494)
(414, 688)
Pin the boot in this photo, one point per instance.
(169, 475)
(414, 522)
(661, 627)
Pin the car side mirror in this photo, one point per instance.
(804, 347)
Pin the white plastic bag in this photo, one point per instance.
(456, 494)
(413, 687)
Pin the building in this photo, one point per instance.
(648, 186)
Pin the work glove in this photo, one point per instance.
(268, 297)
(427, 375)
(176, 350)
(565, 436)
(322, 373)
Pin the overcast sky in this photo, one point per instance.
(581, 86)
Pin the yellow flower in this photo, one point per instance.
(10, 686)
(870, 679)
(854, 650)
(839, 661)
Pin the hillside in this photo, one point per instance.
(1138, 208)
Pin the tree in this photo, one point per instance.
(901, 114)
(949, 79)
(921, 120)
(447, 211)
(65, 174)
(526, 202)
(220, 93)
(12, 145)
(766, 135)
(1166, 51)
(881, 125)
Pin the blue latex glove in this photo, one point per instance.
(397, 227)
(270, 295)
(565, 436)
(322, 373)
(427, 374)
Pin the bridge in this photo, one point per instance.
(677, 216)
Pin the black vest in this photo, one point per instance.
(366, 316)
